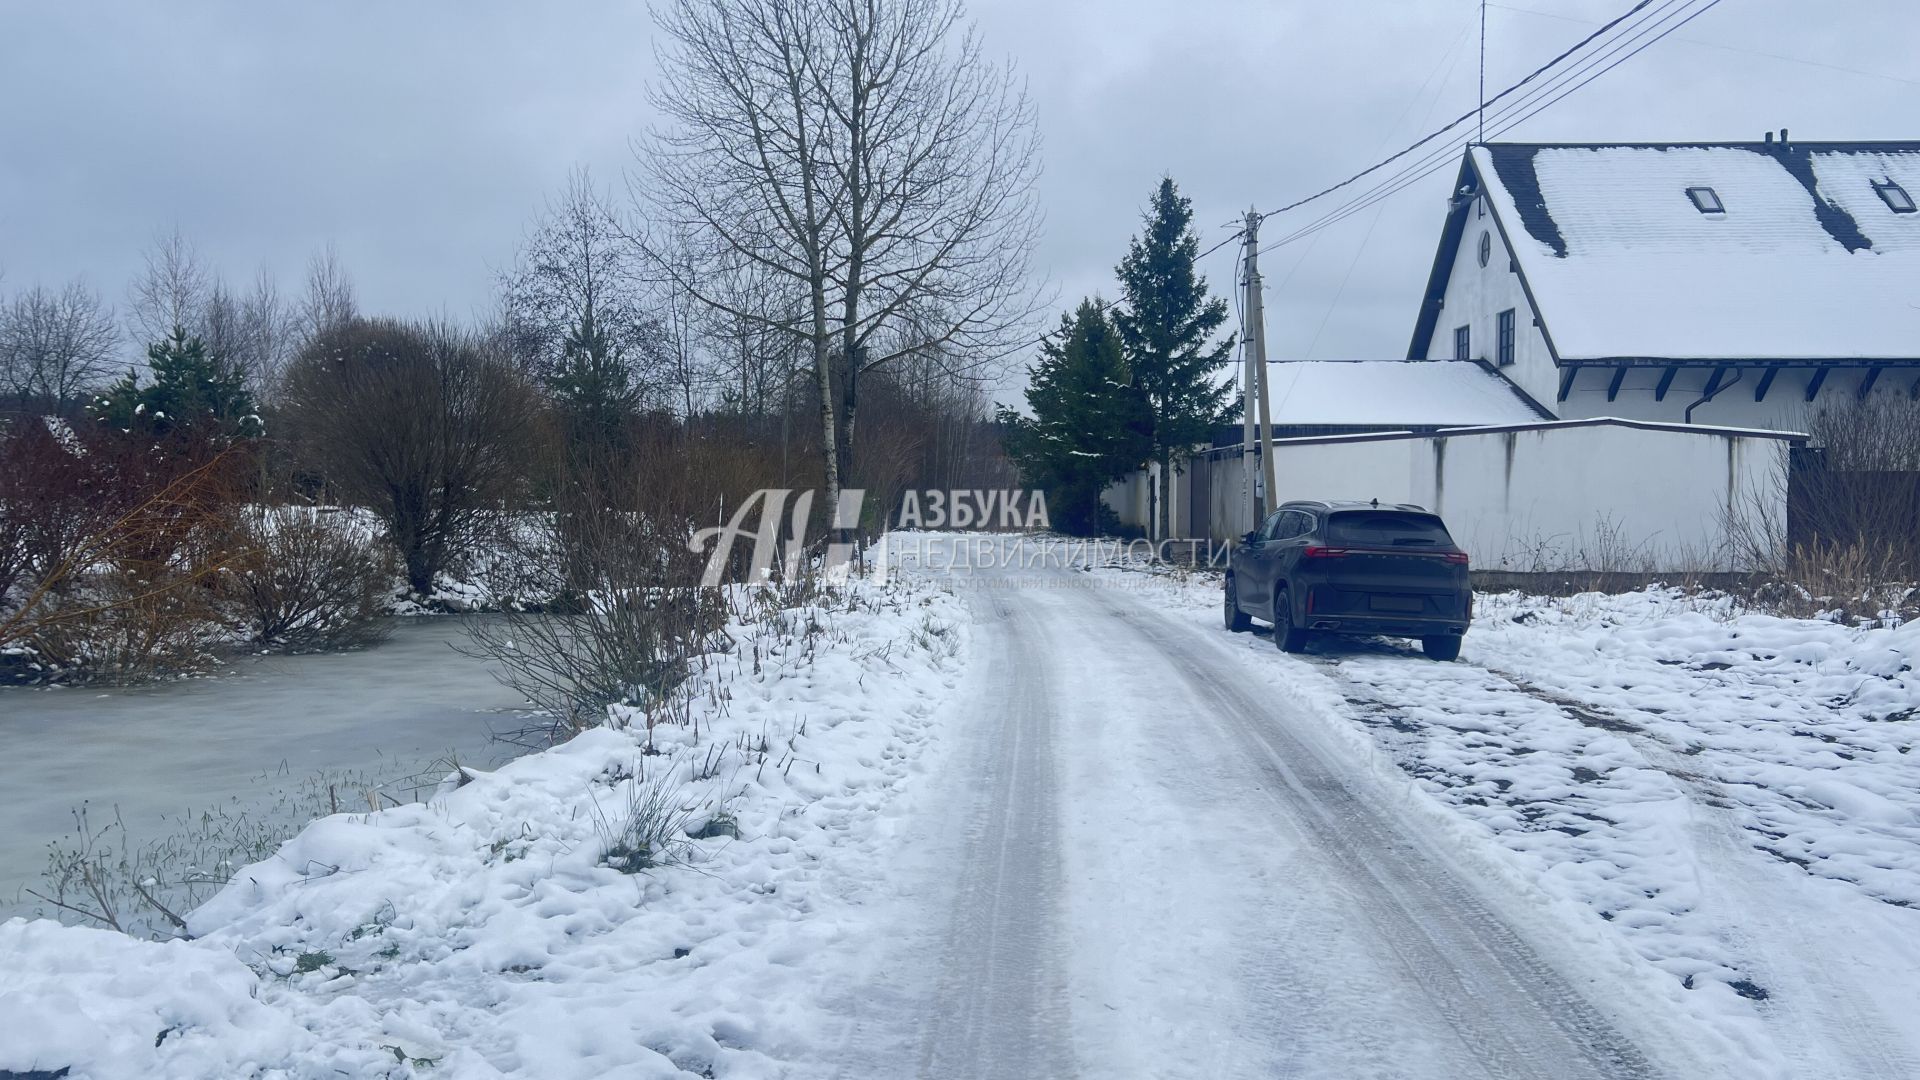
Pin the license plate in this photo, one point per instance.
(1396, 603)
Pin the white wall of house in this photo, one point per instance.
(1475, 297)
(1600, 497)
(1785, 408)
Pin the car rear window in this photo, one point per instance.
(1387, 528)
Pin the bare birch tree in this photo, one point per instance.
(577, 266)
(171, 292)
(251, 332)
(329, 302)
(864, 150)
(740, 176)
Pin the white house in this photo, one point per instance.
(1658, 320)
(1719, 283)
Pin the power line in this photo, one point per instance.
(1237, 226)
(1437, 79)
(1466, 116)
(1445, 154)
(1447, 151)
(1528, 107)
(1729, 48)
(1237, 233)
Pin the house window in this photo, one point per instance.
(1463, 343)
(1894, 196)
(1506, 338)
(1706, 200)
(1486, 247)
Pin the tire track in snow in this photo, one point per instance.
(1516, 1014)
(1824, 1019)
(1001, 1010)
(1816, 1018)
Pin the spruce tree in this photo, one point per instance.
(1089, 425)
(193, 389)
(592, 385)
(1165, 324)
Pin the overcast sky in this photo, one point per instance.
(420, 137)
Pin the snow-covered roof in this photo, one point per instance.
(1392, 393)
(1808, 261)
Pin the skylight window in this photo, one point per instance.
(1706, 200)
(1894, 196)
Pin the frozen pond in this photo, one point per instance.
(263, 725)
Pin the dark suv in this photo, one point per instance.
(1352, 568)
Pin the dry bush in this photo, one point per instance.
(123, 539)
(622, 609)
(53, 494)
(429, 428)
(1850, 546)
(1850, 584)
(310, 580)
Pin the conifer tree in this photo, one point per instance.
(1089, 425)
(592, 384)
(192, 389)
(1165, 323)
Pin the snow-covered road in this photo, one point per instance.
(1163, 871)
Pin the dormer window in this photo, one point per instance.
(1706, 200)
(1894, 196)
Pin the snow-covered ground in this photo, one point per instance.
(1045, 821)
(1734, 796)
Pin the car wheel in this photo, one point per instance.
(1284, 634)
(1237, 620)
(1445, 647)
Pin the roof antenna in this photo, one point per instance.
(1482, 99)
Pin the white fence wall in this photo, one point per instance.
(1306, 470)
(1557, 496)
(1603, 497)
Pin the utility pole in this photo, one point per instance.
(1260, 486)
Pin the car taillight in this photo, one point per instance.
(1315, 551)
(1458, 557)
